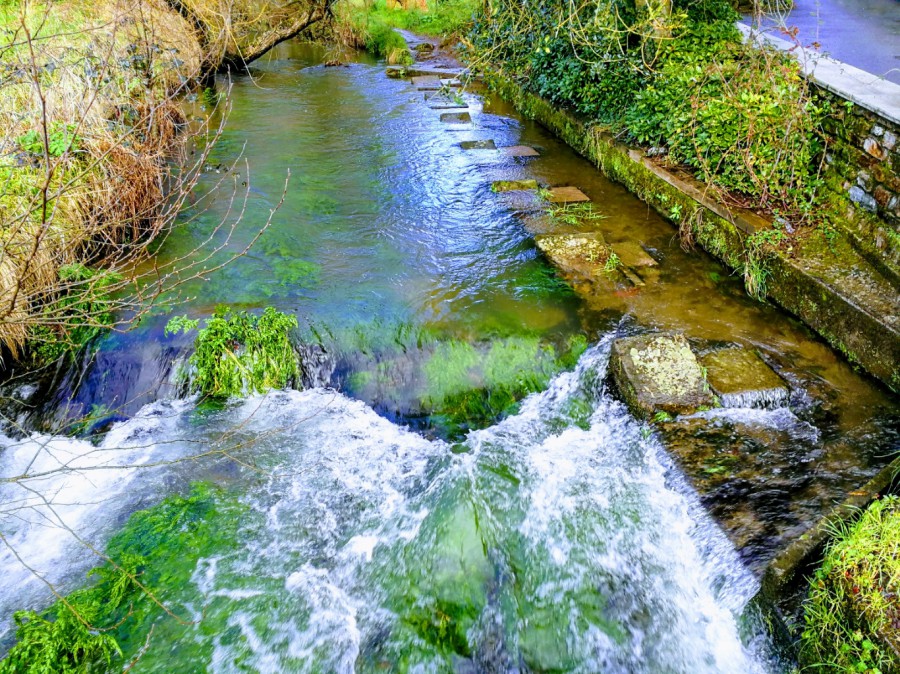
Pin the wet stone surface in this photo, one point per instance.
(658, 373)
(519, 151)
(742, 379)
(478, 145)
(567, 195)
(632, 254)
(456, 118)
(576, 254)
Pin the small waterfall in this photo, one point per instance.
(559, 539)
(767, 399)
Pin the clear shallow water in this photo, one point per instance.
(570, 540)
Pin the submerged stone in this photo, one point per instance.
(631, 254)
(456, 118)
(513, 185)
(742, 379)
(519, 151)
(566, 195)
(478, 145)
(658, 373)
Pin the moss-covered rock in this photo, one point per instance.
(659, 373)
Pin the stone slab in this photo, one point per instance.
(566, 195)
(513, 185)
(456, 118)
(519, 151)
(478, 145)
(575, 254)
(742, 379)
(448, 105)
(427, 80)
(658, 373)
(632, 254)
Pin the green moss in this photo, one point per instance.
(852, 613)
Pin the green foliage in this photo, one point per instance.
(238, 352)
(758, 249)
(61, 139)
(83, 310)
(852, 601)
(156, 551)
(742, 117)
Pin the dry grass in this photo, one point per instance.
(89, 119)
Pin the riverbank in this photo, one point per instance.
(93, 166)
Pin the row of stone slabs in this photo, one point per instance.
(656, 373)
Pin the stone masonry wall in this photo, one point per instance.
(863, 170)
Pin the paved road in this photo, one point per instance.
(863, 33)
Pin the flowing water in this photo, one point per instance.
(374, 531)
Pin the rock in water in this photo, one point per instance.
(659, 373)
(741, 379)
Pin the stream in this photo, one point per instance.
(374, 530)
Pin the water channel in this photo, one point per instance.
(371, 530)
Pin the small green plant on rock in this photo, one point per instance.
(238, 352)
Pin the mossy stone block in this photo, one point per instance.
(658, 373)
(456, 118)
(582, 254)
(742, 379)
(478, 145)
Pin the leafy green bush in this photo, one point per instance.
(852, 605)
(237, 352)
(742, 117)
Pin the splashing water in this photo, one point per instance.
(559, 539)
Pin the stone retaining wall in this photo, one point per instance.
(862, 158)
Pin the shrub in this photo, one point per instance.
(238, 353)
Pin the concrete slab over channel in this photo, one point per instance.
(566, 195)
(742, 379)
(658, 373)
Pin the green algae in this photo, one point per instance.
(134, 595)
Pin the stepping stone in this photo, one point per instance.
(658, 373)
(566, 195)
(513, 185)
(451, 83)
(633, 255)
(478, 145)
(742, 379)
(427, 80)
(456, 118)
(579, 254)
(519, 151)
(447, 105)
